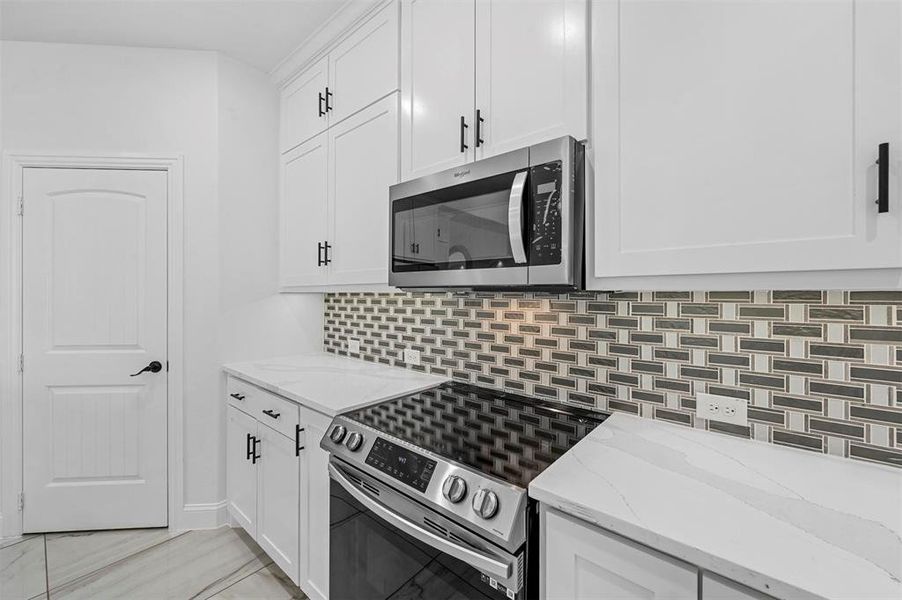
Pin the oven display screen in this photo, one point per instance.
(402, 464)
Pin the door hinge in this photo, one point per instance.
(21, 363)
(21, 209)
(21, 501)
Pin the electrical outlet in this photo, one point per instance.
(353, 346)
(411, 356)
(722, 408)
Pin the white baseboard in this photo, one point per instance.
(211, 515)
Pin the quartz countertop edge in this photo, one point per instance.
(786, 522)
(331, 384)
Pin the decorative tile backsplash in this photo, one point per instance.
(821, 370)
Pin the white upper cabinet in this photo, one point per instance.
(303, 217)
(531, 73)
(364, 67)
(742, 136)
(303, 111)
(481, 78)
(717, 588)
(582, 562)
(437, 83)
(363, 163)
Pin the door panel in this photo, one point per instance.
(437, 83)
(241, 471)
(748, 146)
(364, 67)
(94, 298)
(531, 73)
(277, 499)
(303, 214)
(583, 562)
(301, 106)
(363, 163)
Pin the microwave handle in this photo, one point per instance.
(515, 217)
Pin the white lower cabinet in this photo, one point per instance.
(241, 478)
(277, 499)
(278, 486)
(582, 562)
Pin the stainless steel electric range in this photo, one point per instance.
(428, 493)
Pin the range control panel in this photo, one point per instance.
(404, 465)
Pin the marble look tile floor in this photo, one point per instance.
(146, 564)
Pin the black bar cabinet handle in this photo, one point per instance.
(297, 440)
(250, 452)
(463, 133)
(237, 396)
(321, 99)
(479, 122)
(327, 247)
(271, 413)
(328, 96)
(256, 456)
(883, 178)
(319, 254)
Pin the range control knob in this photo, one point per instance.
(354, 442)
(338, 433)
(485, 503)
(454, 489)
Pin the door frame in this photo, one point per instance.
(11, 391)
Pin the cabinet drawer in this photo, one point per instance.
(270, 409)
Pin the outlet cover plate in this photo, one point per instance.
(353, 346)
(722, 408)
(411, 356)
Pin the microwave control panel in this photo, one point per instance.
(546, 188)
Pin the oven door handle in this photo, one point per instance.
(515, 217)
(481, 561)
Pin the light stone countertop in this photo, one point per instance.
(790, 523)
(331, 384)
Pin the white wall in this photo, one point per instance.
(221, 116)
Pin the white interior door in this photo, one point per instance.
(94, 313)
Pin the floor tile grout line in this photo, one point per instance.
(112, 564)
(46, 568)
(25, 538)
(233, 583)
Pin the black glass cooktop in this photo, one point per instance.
(508, 436)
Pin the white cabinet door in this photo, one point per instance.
(363, 163)
(717, 588)
(303, 107)
(277, 499)
(736, 137)
(303, 214)
(437, 85)
(582, 562)
(364, 67)
(314, 508)
(241, 472)
(531, 73)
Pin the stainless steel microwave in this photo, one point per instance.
(511, 221)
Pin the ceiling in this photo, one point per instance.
(258, 32)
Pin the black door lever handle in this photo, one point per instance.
(154, 367)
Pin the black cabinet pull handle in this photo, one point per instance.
(250, 452)
(479, 122)
(463, 133)
(154, 366)
(297, 440)
(321, 100)
(327, 247)
(883, 178)
(256, 456)
(319, 254)
(271, 413)
(237, 396)
(328, 96)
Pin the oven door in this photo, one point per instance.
(384, 545)
(463, 227)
